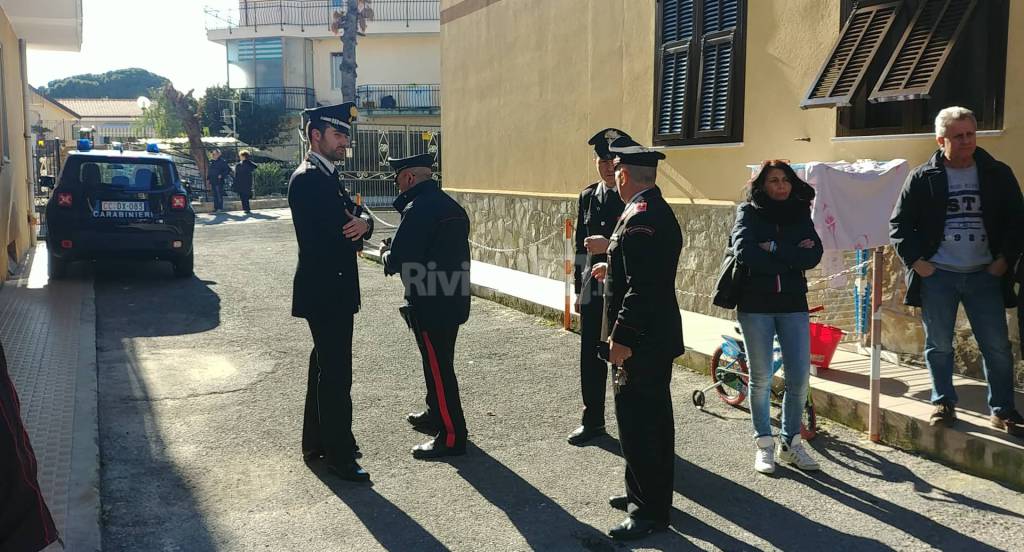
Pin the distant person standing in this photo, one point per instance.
(243, 179)
(218, 174)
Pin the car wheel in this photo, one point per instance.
(56, 268)
(184, 267)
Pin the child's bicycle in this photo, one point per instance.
(732, 378)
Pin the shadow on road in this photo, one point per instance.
(391, 526)
(147, 502)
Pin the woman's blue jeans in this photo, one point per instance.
(759, 330)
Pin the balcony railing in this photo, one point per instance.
(403, 97)
(291, 98)
(316, 14)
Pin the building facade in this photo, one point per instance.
(109, 120)
(54, 25)
(720, 85)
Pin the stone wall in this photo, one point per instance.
(525, 233)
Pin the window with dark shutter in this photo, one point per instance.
(923, 51)
(844, 69)
(937, 53)
(699, 88)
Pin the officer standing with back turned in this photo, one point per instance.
(599, 211)
(330, 228)
(645, 335)
(430, 252)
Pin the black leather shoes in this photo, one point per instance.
(619, 502)
(583, 434)
(350, 472)
(312, 455)
(632, 528)
(433, 449)
(424, 422)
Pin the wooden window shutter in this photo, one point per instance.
(844, 69)
(676, 34)
(923, 50)
(720, 20)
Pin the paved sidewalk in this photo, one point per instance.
(49, 334)
(840, 393)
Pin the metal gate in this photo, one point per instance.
(367, 172)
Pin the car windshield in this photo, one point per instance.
(133, 175)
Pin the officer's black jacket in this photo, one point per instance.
(326, 278)
(640, 287)
(218, 171)
(430, 251)
(598, 214)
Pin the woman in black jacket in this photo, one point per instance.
(774, 242)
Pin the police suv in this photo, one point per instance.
(119, 204)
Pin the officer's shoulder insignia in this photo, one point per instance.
(641, 207)
(640, 229)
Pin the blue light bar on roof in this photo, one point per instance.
(151, 147)
(84, 144)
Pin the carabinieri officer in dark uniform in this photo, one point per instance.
(645, 335)
(599, 210)
(330, 228)
(430, 251)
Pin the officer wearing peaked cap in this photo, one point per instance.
(430, 251)
(645, 335)
(599, 210)
(330, 229)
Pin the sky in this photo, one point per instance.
(166, 37)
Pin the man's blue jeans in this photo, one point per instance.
(218, 197)
(982, 297)
(759, 331)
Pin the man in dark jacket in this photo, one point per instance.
(25, 521)
(599, 211)
(329, 229)
(218, 173)
(954, 229)
(430, 252)
(243, 179)
(645, 335)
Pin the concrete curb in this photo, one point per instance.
(972, 447)
(264, 203)
(82, 530)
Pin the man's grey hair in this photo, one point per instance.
(642, 174)
(950, 114)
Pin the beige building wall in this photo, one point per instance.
(526, 82)
(15, 200)
(383, 59)
(60, 121)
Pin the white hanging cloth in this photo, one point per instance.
(854, 201)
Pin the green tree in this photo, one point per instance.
(256, 124)
(268, 178)
(122, 84)
(164, 122)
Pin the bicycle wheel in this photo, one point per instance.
(732, 387)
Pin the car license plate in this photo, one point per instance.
(122, 206)
(130, 210)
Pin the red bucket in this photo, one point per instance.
(824, 341)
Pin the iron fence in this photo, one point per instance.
(422, 97)
(291, 98)
(368, 173)
(316, 13)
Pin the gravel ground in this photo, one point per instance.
(201, 391)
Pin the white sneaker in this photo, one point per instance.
(764, 458)
(796, 454)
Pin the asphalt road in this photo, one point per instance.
(201, 389)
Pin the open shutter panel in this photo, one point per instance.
(718, 44)
(843, 71)
(923, 50)
(677, 24)
(672, 113)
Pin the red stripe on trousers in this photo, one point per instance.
(442, 404)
